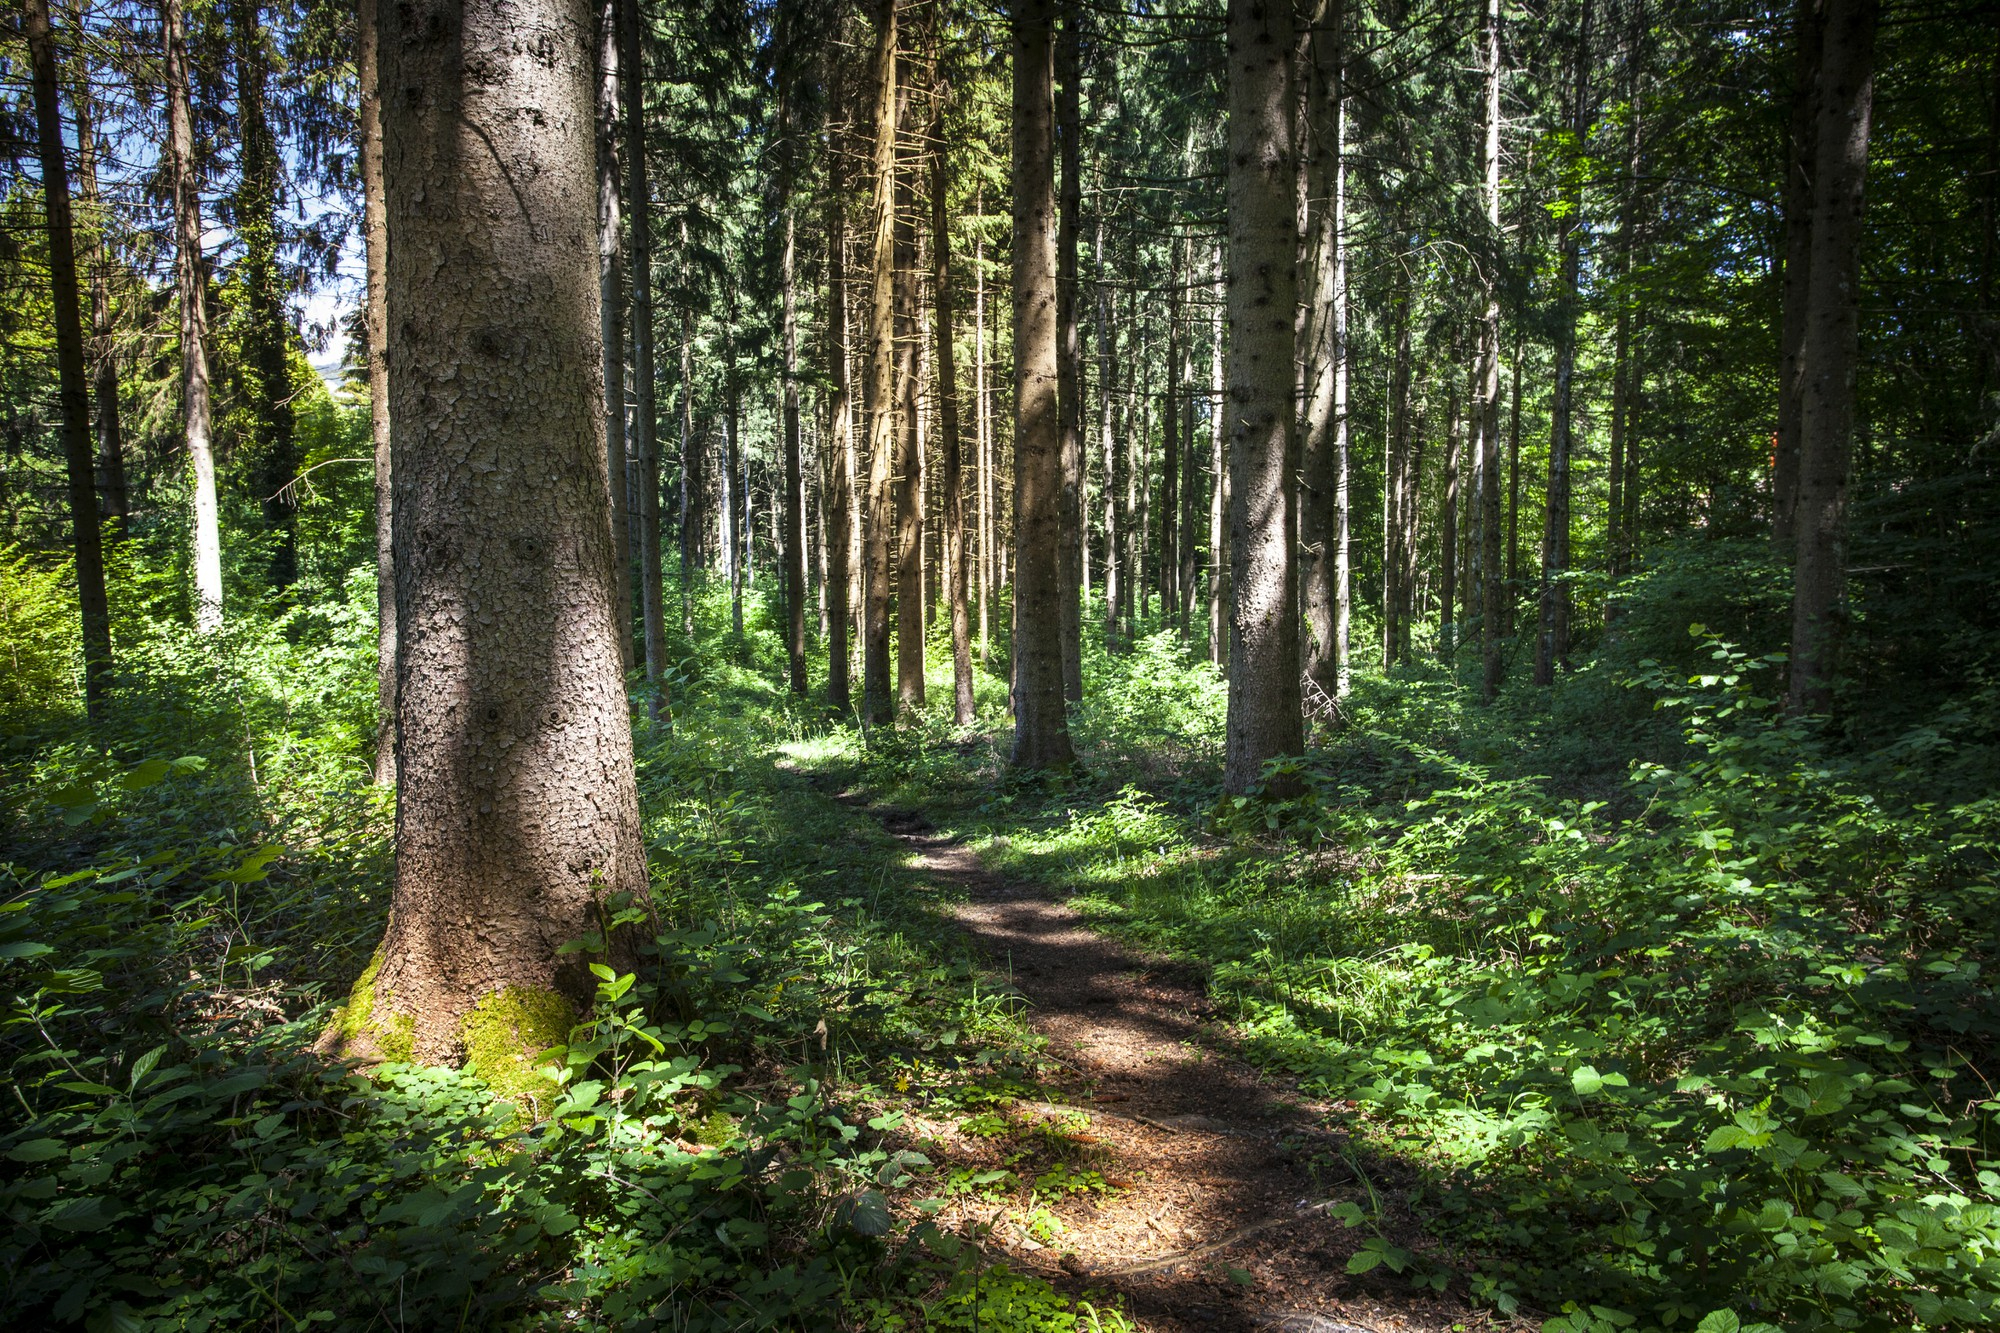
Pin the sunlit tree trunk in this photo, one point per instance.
(1041, 724)
(1107, 443)
(1487, 389)
(947, 391)
(517, 815)
(984, 475)
(1218, 475)
(840, 461)
(1829, 350)
(102, 352)
(611, 289)
(375, 235)
(876, 704)
(794, 476)
(1322, 470)
(73, 396)
(1074, 537)
(909, 458)
(1264, 709)
(645, 425)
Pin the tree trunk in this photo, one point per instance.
(1074, 536)
(788, 335)
(517, 816)
(1448, 524)
(876, 706)
(735, 480)
(1264, 713)
(1487, 407)
(1514, 484)
(840, 463)
(1829, 350)
(611, 299)
(1218, 473)
(1041, 724)
(693, 482)
(909, 464)
(103, 360)
(984, 475)
(1170, 440)
(1801, 147)
(1322, 471)
(72, 393)
(1398, 541)
(375, 233)
(191, 282)
(947, 391)
(645, 427)
(1114, 472)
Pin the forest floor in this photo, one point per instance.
(1204, 1188)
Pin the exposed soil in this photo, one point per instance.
(1222, 1175)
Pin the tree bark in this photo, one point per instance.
(876, 705)
(1829, 352)
(1041, 724)
(984, 474)
(103, 359)
(1264, 713)
(788, 335)
(1398, 537)
(1448, 523)
(1801, 148)
(1322, 471)
(86, 539)
(840, 467)
(375, 233)
(191, 284)
(909, 463)
(611, 299)
(266, 343)
(1492, 591)
(694, 482)
(1218, 474)
(517, 815)
(947, 391)
(645, 427)
(1074, 536)
(1114, 471)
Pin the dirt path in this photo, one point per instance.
(1219, 1220)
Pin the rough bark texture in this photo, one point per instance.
(516, 808)
(876, 705)
(1041, 724)
(645, 426)
(1218, 475)
(73, 395)
(375, 234)
(909, 465)
(1802, 146)
(191, 289)
(611, 299)
(840, 469)
(1322, 517)
(1073, 538)
(947, 391)
(1264, 715)
(1829, 351)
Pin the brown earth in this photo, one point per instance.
(1221, 1176)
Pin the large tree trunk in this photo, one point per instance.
(1801, 147)
(876, 705)
(1829, 351)
(103, 358)
(191, 284)
(1074, 538)
(1041, 724)
(1487, 392)
(267, 336)
(788, 337)
(517, 815)
(840, 463)
(645, 425)
(375, 233)
(611, 299)
(1264, 714)
(947, 391)
(72, 393)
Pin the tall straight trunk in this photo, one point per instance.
(1073, 538)
(1829, 351)
(693, 482)
(1324, 355)
(375, 233)
(947, 391)
(1618, 539)
(1514, 482)
(611, 299)
(103, 360)
(1114, 472)
(1448, 527)
(1139, 492)
(266, 361)
(516, 810)
(1190, 489)
(876, 704)
(1801, 149)
(1041, 723)
(794, 510)
(840, 462)
(72, 393)
(736, 486)
(1170, 439)
(909, 461)
(1552, 638)
(1218, 474)
(1264, 709)
(1487, 391)
(191, 285)
(1397, 538)
(645, 427)
(983, 477)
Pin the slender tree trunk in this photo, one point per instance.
(1264, 709)
(1829, 351)
(840, 478)
(611, 299)
(788, 336)
(1114, 473)
(191, 281)
(517, 815)
(736, 480)
(645, 426)
(103, 358)
(877, 706)
(375, 233)
(1487, 407)
(1552, 639)
(984, 476)
(1041, 723)
(1397, 538)
(1618, 540)
(1073, 537)
(1514, 482)
(266, 362)
(85, 535)
(1218, 472)
(947, 391)
(1170, 440)
(1448, 525)
(1802, 146)
(909, 461)
(1321, 471)
(694, 482)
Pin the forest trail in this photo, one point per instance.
(1222, 1179)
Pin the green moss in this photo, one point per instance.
(714, 1129)
(360, 1028)
(504, 1033)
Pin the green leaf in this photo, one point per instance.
(1586, 1080)
(24, 949)
(38, 1150)
(1364, 1260)
(1721, 1321)
(80, 1085)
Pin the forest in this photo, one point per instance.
(1309, 665)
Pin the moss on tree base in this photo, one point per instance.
(364, 1029)
(504, 1033)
